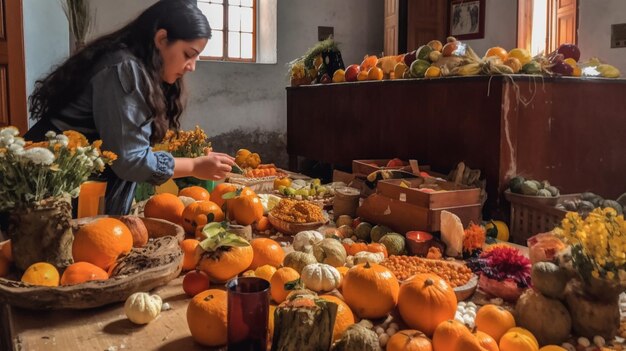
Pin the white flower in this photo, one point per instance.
(39, 156)
(9, 131)
(80, 150)
(99, 163)
(50, 134)
(20, 141)
(62, 137)
(15, 148)
(6, 140)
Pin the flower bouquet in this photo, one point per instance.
(36, 183)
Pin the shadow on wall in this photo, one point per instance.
(271, 145)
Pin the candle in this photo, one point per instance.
(419, 242)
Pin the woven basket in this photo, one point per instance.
(293, 228)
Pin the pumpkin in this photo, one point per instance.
(425, 301)
(137, 229)
(371, 257)
(409, 340)
(245, 209)
(206, 317)
(320, 277)
(549, 279)
(486, 341)
(298, 260)
(142, 308)
(514, 341)
(525, 332)
(547, 319)
(371, 290)
(394, 243)
(468, 342)
(352, 248)
(219, 191)
(330, 251)
(306, 238)
(494, 320)
(552, 348)
(376, 247)
(358, 337)
(447, 334)
(266, 251)
(199, 213)
(345, 317)
(282, 276)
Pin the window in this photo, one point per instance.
(543, 25)
(233, 24)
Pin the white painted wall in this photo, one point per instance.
(594, 30)
(500, 26)
(46, 39)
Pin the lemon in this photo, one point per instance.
(41, 273)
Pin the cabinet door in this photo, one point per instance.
(426, 21)
(392, 27)
(12, 73)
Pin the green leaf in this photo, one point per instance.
(216, 236)
(230, 195)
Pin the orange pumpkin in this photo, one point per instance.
(468, 342)
(494, 320)
(447, 335)
(425, 301)
(344, 318)
(206, 317)
(282, 276)
(195, 192)
(219, 191)
(198, 214)
(371, 290)
(266, 251)
(409, 340)
(525, 332)
(245, 210)
(486, 341)
(354, 248)
(376, 247)
(225, 264)
(514, 341)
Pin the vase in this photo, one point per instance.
(41, 232)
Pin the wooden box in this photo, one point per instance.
(453, 196)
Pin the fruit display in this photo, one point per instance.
(311, 190)
(405, 267)
(295, 211)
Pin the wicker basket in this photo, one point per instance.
(531, 215)
(293, 228)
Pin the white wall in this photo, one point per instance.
(46, 38)
(500, 26)
(594, 30)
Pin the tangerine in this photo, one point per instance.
(41, 273)
(101, 242)
(195, 192)
(164, 206)
(196, 215)
(266, 251)
(81, 272)
(263, 224)
(206, 317)
(375, 73)
(282, 276)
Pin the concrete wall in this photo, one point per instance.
(244, 105)
(46, 39)
(594, 30)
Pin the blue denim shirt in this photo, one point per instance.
(113, 108)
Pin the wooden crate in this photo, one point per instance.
(453, 196)
(532, 215)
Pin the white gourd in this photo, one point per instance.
(306, 238)
(142, 308)
(371, 257)
(320, 277)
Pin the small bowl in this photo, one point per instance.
(291, 228)
(419, 242)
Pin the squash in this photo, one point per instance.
(376, 247)
(320, 277)
(447, 334)
(362, 231)
(306, 238)
(142, 308)
(549, 279)
(590, 316)
(371, 290)
(494, 320)
(378, 231)
(298, 260)
(547, 319)
(345, 317)
(330, 251)
(409, 340)
(425, 301)
(371, 257)
(358, 337)
(514, 341)
(394, 243)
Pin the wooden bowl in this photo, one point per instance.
(466, 291)
(291, 228)
(143, 269)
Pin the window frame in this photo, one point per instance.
(525, 21)
(224, 57)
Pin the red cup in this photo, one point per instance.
(419, 242)
(248, 313)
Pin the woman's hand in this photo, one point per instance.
(214, 165)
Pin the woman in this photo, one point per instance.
(126, 89)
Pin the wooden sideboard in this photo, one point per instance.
(570, 131)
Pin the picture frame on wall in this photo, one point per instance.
(466, 19)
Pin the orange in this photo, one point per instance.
(263, 224)
(101, 242)
(497, 51)
(219, 190)
(206, 317)
(362, 75)
(191, 253)
(339, 76)
(245, 209)
(197, 193)
(432, 72)
(6, 250)
(41, 273)
(196, 215)
(266, 251)
(375, 73)
(81, 272)
(265, 272)
(4, 266)
(164, 206)
(494, 321)
(282, 276)
(344, 318)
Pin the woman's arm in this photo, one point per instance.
(213, 166)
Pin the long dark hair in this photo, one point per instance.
(180, 18)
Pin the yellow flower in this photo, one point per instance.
(76, 139)
(109, 155)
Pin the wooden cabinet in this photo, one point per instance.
(411, 23)
(568, 130)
